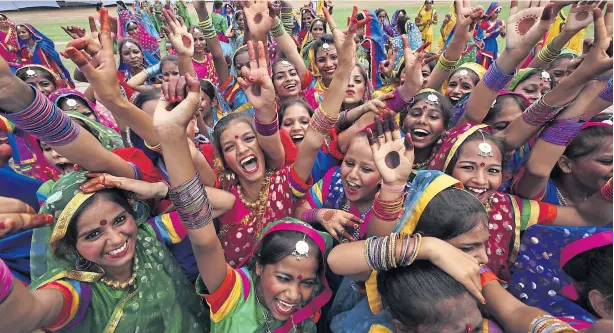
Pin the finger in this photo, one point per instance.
(172, 89)
(84, 66)
(11, 205)
(242, 82)
(165, 91)
(253, 63)
(94, 187)
(94, 174)
(384, 97)
(347, 235)
(430, 59)
(379, 130)
(10, 222)
(333, 233)
(192, 83)
(92, 22)
(372, 141)
(262, 56)
(608, 18)
(601, 32)
(396, 131)
(166, 30)
(387, 127)
(409, 143)
(422, 47)
(355, 219)
(181, 91)
(105, 31)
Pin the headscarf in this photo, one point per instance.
(387, 29)
(374, 41)
(10, 44)
(144, 18)
(57, 80)
(306, 50)
(522, 74)
(47, 46)
(491, 9)
(64, 93)
(459, 109)
(451, 142)
(148, 43)
(413, 36)
(539, 279)
(148, 61)
(163, 297)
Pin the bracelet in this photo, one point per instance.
(606, 190)
(46, 122)
(310, 215)
(387, 210)
(286, 19)
(562, 132)
(446, 65)
(137, 172)
(539, 113)
(549, 324)
(6, 281)
(495, 79)
(548, 54)
(606, 93)
(396, 103)
(206, 27)
(322, 122)
(392, 188)
(342, 122)
(157, 148)
(153, 71)
(380, 252)
(192, 204)
(267, 129)
(278, 30)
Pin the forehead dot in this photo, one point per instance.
(103, 222)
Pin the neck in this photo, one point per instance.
(251, 190)
(362, 205)
(199, 56)
(327, 81)
(122, 273)
(209, 118)
(135, 70)
(349, 106)
(30, 42)
(572, 190)
(422, 154)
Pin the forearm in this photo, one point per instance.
(213, 43)
(601, 103)
(288, 47)
(378, 225)
(185, 65)
(138, 121)
(556, 45)
(267, 132)
(452, 54)
(138, 80)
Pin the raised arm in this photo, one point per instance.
(181, 40)
(206, 25)
(286, 43)
(137, 82)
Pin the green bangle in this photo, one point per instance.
(278, 30)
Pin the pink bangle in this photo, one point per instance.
(606, 190)
(393, 189)
(6, 281)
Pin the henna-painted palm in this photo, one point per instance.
(255, 79)
(335, 221)
(580, 16)
(393, 156)
(178, 34)
(527, 27)
(168, 116)
(259, 16)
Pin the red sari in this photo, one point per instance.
(8, 44)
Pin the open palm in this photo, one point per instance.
(177, 32)
(580, 16)
(527, 27)
(393, 159)
(259, 16)
(176, 117)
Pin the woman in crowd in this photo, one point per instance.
(9, 45)
(425, 20)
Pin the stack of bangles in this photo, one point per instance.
(495, 79)
(396, 103)
(539, 113)
(267, 129)
(310, 215)
(206, 27)
(548, 54)
(550, 324)
(381, 252)
(153, 71)
(322, 122)
(192, 204)
(446, 65)
(387, 210)
(278, 30)
(562, 132)
(286, 18)
(606, 191)
(6, 281)
(606, 93)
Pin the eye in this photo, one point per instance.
(467, 167)
(467, 248)
(349, 163)
(249, 138)
(366, 169)
(494, 170)
(452, 84)
(333, 57)
(309, 283)
(287, 124)
(228, 148)
(283, 278)
(120, 220)
(605, 161)
(321, 59)
(529, 90)
(305, 122)
(92, 235)
(434, 117)
(466, 86)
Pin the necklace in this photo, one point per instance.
(560, 196)
(488, 204)
(122, 285)
(265, 315)
(199, 61)
(421, 165)
(261, 198)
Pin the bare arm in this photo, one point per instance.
(221, 67)
(25, 310)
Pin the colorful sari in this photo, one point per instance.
(205, 70)
(508, 215)
(149, 43)
(412, 32)
(539, 279)
(162, 299)
(427, 29)
(447, 29)
(182, 10)
(143, 15)
(235, 307)
(305, 49)
(9, 45)
(105, 119)
(373, 49)
(574, 44)
(490, 51)
(386, 27)
(44, 54)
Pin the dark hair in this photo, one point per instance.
(132, 22)
(146, 96)
(221, 126)
(474, 76)
(279, 61)
(444, 103)
(99, 5)
(477, 136)
(379, 10)
(318, 20)
(497, 108)
(587, 142)
(167, 59)
(67, 244)
(237, 14)
(217, 4)
(289, 103)
(451, 213)
(564, 56)
(431, 65)
(280, 244)
(21, 74)
(208, 88)
(592, 270)
(325, 39)
(401, 21)
(5, 17)
(239, 51)
(534, 72)
(125, 40)
(420, 295)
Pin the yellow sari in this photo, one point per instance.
(427, 30)
(447, 29)
(575, 44)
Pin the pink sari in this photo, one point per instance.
(206, 69)
(8, 44)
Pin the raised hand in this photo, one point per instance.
(171, 117)
(386, 66)
(100, 70)
(393, 156)
(467, 19)
(580, 16)
(255, 80)
(335, 221)
(74, 32)
(527, 27)
(344, 40)
(178, 34)
(16, 215)
(413, 69)
(599, 59)
(259, 16)
(143, 190)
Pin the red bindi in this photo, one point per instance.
(482, 164)
(541, 84)
(236, 136)
(300, 277)
(103, 222)
(424, 107)
(468, 327)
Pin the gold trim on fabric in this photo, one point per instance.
(59, 231)
(89, 277)
(459, 141)
(118, 312)
(512, 257)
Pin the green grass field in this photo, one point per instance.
(52, 29)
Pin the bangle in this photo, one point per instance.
(548, 54)
(549, 324)
(540, 112)
(278, 30)
(393, 188)
(396, 103)
(495, 79)
(157, 148)
(207, 28)
(446, 65)
(45, 121)
(322, 122)
(192, 204)
(6, 281)
(310, 215)
(387, 210)
(606, 93)
(267, 129)
(562, 132)
(137, 172)
(152, 71)
(606, 190)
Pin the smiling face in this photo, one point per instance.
(533, 88)
(295, 122)
(286, 80)
(425, 123)
(459, 85)
(169, 70)
(43, 85)
(4, 22)
(242, 152)
(474, 241)
(381, 17)
(358, 171)
(284, 287)
(480, 175)
(594, 170)
(317, 29)
(357, 86)
(510, 110)
(56, 159)
(131, 54)
(326, 61)
(241, 22)
(106, 234)
(307, 19)
(23, 33)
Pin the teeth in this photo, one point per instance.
(291, 86)
(116, 251)
(247, 160)
(350, 184)
(285, 306)
(420, 131)
(298, 136)
(477, 190)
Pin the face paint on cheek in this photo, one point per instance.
(103, 222)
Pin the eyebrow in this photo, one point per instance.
(471, 162)
(91, 230)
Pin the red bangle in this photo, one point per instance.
(606, 190)
(387, 210)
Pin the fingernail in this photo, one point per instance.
(484, 302)
(179, 98)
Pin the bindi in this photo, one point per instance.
(299, 277)
(482, 164)
(103, 222)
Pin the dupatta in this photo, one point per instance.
(148, 43)
(9, 45)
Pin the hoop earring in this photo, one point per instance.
(82, 264)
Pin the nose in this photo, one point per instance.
(456, 90)
(293, 293)
(422, 119)
(115, 238)
(328, 63)
(480, 178)
(481, 255)
(55, 155)
(353, 173)
(241, 148)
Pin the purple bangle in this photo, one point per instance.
(562, 132)
(310, 215)
(267, 129)
(495, 79)
(396, 103)
(6, 281)
(46, 122)
(606, 93)
(137, 172)
(539, 113)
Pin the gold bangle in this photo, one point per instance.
(157, 148)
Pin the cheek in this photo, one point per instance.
(370, 180)
(231, 159)
(48, 156)
(90, 250)
(361, 90)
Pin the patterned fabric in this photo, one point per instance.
(206, 69)
(103, 118)
(182, 10)
(538, 279)
(163, 300)
(148, 43)
(575, 43)
(9, 45)
(235, 96)
(490, 51)
(235, 307)
(240, 226)
(426, 30)
(145, 17)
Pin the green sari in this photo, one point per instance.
(182, 10)
(162, 299)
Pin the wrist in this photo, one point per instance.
(170, 133)
(428, 249)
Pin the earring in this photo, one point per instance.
(82, 264)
